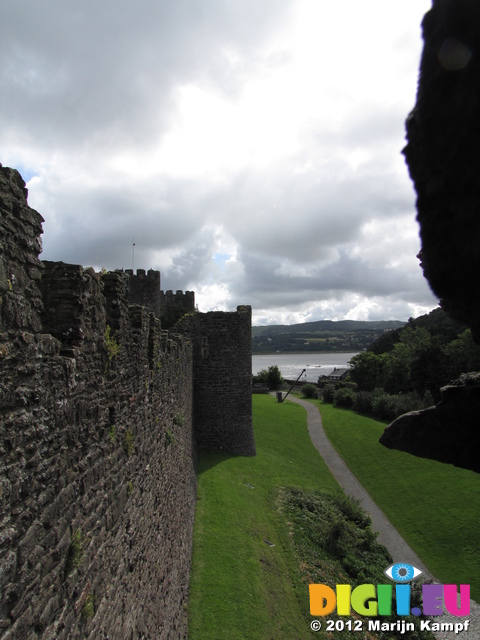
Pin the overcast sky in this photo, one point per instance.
(251, 149)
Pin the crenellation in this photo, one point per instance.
(175, 305)
(73, 303)
(144, 289)
(20, 246)
(97, 438)
(115, 290)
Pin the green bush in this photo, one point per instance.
(328, 393)
(351, 509)
(383, 405)
(179, 419)
(344, 398)
(406, 402)
(169, 438)
(88, 608)
(271, 377)
(309, 390)
(377, 403)
(428, 399)
(363, 402)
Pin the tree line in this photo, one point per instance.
(405, 369)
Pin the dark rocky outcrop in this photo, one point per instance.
(447, 432)
(443, 156)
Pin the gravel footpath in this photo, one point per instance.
(387, 534)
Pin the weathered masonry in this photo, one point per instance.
(221, 375)
(101, 411)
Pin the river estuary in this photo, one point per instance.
(291, 364)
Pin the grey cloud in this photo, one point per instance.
(85, 86)
(386, 127)
(306, 220)
(268, 289)
(98, 224)
(192, 264)
(72, 71)
(305, 216)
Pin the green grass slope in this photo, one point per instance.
(265, 527)
(241, 587)
(435, 506)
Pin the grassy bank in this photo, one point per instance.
(267, 526)
(241, 586)
(435, 506)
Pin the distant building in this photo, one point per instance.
(336, 375)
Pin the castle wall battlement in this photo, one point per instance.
(144, 289)
(222, 375)
(187, 298)
(100, 408)
(175, 305)
(96, 445)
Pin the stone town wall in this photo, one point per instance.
(222, 378)
(97, 484)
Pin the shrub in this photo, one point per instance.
(309, 391)
(271, 377)
(344, 398)
(169, 438)
(383, 405)
(351, 509)
(377, 403)
(363, 402)
(328, 393)
(336, 534)
(179, 419)
(428, 399)
(406, 402)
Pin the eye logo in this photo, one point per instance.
(402, 572)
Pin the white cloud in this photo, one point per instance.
(252, 150)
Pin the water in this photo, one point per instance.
(291, 364)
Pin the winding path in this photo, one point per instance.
(387, 534)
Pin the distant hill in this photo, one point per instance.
(329, 326)
(437, 323)
(320, 336)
